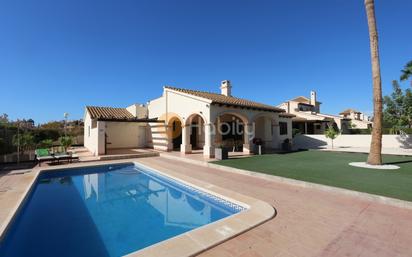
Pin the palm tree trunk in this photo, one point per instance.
(375, 157)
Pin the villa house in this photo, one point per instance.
(358, 119)
(309, 119)
(187, 120)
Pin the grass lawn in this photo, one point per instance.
(331, 168)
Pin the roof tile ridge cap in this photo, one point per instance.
(192, 90)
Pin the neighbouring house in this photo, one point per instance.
(308, 118)
(185, 120)
(358, 119)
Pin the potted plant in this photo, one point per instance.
(221, 152)
(257, 145)
(287, 145)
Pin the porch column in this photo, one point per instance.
(306, 128)
(101, 138)
(169, 137)
(208, 148)
(276, 134)
(186, 147)
(218, 136)
(268, 131)
(249, 134)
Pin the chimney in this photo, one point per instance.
(226, 88)
(313, 98)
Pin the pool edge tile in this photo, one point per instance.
(187, 244)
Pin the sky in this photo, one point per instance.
(59, 56)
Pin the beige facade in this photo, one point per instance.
(185, 120)
(358, 119)
(309, 119)
(102, 135)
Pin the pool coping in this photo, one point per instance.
(187, 244)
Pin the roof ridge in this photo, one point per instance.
(195, 90)
(228, 100)
(95, 106)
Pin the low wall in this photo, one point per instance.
(12, 157)
(320, 141)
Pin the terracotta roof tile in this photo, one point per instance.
(228, 100)
(287, 115)
(348, 111)
(109, 113)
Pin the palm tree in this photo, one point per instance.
(407, 72)
(375, 156)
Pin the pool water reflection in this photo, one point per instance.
(107, 211)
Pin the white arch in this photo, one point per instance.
(243, 117)
(191, 116)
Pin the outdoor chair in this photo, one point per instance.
(62, 156)
(43, 155)
(65, 156)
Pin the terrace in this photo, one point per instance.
(310, 221)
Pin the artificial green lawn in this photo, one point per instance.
(331, 168)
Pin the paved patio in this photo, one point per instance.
(309, 222)
(113, 154)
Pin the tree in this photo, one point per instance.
(46, 143)
(397, 112)
(331, 133)
(351, 125)
(407, 72)
(66, 142)
(375, 152)
(4, 118)
(24, 140)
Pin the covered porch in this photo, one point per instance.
(234, 129)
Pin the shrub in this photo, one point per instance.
(66, 142)
(331, 133)
(46, 143)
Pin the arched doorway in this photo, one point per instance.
(196, 126)
(230, 131)
(266, 129)
(175, 133)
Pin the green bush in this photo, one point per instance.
(66, 142)
(44, 134)
(331, 133)
(24, 140)
(46, 143)
(296, 132)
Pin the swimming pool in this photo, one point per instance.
(109, 210)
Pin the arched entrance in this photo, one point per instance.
(265, 129)
(231, 130)
(197, 131)
(193, 134)
(175, 133)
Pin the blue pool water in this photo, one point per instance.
(107, 210)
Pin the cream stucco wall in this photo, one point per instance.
(90, 134)
(173, 105)
(320, 141)
(184, 107)
(361, 124)
(289, 132)
(125, 135)
(119, 134)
